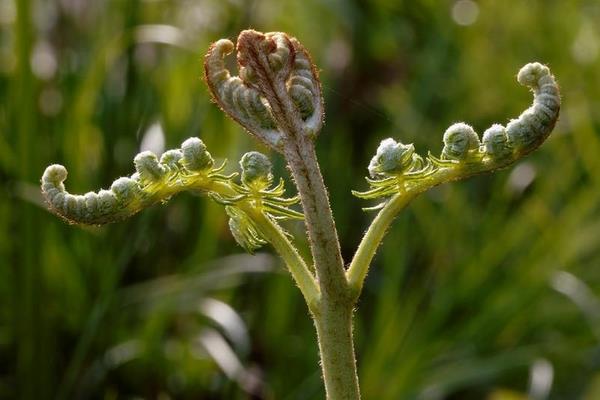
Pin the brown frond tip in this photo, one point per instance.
(277, 88)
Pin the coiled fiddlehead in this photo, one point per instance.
(272, 67)
(188, 168)
(397, 169)
(255, 189)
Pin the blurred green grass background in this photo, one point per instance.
(485, 289)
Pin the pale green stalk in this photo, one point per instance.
(300, 272)
(357, 271)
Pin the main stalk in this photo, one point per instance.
(333, 315)
(277, 70)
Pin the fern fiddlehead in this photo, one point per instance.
(398, 174)
(396, 168)
(277, 99)
(256, 189)
(265, 60)
(188, 168)
(253, 205)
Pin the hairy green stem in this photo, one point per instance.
(300, 272)
(372, 239)
(323, 237)
(336, 345)
(334, 319)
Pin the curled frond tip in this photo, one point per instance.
(276, 82)
(399, 169)
(188, 168)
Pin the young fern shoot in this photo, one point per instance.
(254, 207)
(277, 99)
(398, 174)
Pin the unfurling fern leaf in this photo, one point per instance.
(396, 168)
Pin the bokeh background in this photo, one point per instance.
(483, 289)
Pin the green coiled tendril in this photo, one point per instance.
(189, 168)
(397, 169)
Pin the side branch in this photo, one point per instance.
(298, 268)
(399, 174)
(367, 248)
(253, 205)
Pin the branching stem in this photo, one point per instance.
(367, 248)
(319, 220)
(274, 234)
(359, 266)
(298, 268)
(333, 319)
